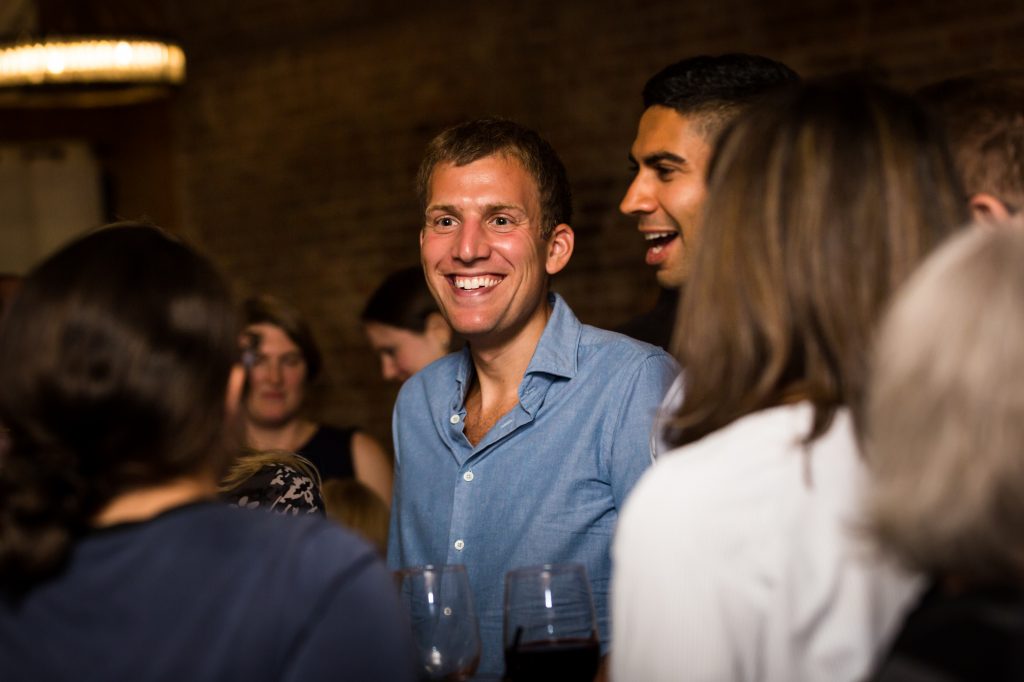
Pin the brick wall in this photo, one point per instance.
(297, 135)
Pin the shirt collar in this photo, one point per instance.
(556, 351)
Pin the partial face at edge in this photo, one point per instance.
(403, 352)
(671, 156)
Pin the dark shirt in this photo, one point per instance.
(972, 635)
(330, 451)
(656, 325)
(211, 592)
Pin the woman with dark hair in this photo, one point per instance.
(118, 360)
(404, 325)
(735, 555)
(287, 362)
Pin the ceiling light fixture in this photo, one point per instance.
(87, 61)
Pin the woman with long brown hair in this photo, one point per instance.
(734, 559)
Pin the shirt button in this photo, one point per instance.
(468, 476)
(454, 419)
(459, 544)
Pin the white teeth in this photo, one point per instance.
(651, 236)
(657, 249)
(469, 283)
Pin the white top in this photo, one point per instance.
(735, 560)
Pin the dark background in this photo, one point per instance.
(289, 153)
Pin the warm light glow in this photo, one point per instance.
(91, 61)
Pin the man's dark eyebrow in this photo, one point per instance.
(491, 208)
(660, 157)
(447, 208)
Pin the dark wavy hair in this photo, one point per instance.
(114, 360)
(402, 300)
(474, 140)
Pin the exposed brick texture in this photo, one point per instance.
(294, 142)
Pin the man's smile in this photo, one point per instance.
(657, 242)
(475, 282)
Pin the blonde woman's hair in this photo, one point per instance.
(945, 414)
(251, 462)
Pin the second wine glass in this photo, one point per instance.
(550, 624)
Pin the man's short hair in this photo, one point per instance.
(474, 140)
(984, 120)
(716, 88)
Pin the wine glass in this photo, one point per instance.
(550, 625)
(443, 620)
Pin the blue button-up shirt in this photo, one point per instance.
(545, 484)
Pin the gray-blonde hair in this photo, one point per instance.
(945, 415)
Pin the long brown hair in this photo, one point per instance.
(820, 203)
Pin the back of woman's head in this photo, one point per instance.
(820, 203)
(114, 361)
(945, 416)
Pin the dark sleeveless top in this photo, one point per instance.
(330, 451)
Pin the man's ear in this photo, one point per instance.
(986, 208)
(560, 246)
(438, 331)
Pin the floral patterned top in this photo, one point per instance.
(279, 488)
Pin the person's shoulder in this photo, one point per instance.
(260, 530)
(623, 350)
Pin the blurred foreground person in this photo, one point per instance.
(946, 449)
(287, 362)
(734, 558)
(116, 562)
(404, 326)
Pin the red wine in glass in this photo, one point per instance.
(561, 660)
(550, 625)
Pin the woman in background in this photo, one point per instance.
(287, 361)
(945, 424)
(404, 325)
(734, 558)
(116, 560)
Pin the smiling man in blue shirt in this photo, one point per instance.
(521, 449)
